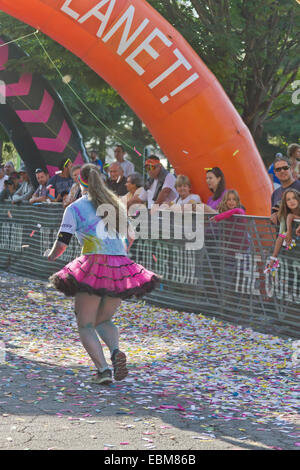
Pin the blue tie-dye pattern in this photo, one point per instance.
(87, 234)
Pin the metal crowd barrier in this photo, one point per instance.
(225, 278)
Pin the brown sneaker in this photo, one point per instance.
(118, 360)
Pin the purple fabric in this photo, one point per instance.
(214, 204)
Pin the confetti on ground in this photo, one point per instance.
(181, 366)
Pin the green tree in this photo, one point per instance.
(252, 47)
(110, 120)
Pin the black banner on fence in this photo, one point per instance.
(225, 278)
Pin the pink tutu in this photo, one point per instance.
(115, 276)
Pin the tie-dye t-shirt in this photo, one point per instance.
(80, 218)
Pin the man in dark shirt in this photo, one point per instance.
(116, 181)
(283, 172)
(62, 181)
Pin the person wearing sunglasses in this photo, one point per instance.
(283, 172)
(160, 187)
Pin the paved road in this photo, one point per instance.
(194, 384)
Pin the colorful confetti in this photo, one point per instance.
(136, 151)
(215, 377)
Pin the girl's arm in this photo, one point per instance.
(57, 250)
(289, 227)
(278, 245)
(227, 214)
(66, 231)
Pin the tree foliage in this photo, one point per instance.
(252, 47)
(110, 120)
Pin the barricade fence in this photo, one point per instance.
(224, 278)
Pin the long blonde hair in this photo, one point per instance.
(222, 207)
(99, 194)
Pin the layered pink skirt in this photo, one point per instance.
(115, 276)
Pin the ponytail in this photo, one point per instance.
(98, 194)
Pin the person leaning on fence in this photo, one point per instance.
(283, 171)
(229, 205)
(185, 198)
(25, 191)
(289, 210)
(40, 195)
(160, 187)
(103, 274)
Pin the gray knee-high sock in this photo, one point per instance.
(109, 333)
(92, 345)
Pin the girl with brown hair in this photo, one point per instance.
(288, 211)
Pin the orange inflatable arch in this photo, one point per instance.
(164, 81)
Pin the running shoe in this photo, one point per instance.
(103, 378)
(118, 360)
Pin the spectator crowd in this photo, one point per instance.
(161, 188)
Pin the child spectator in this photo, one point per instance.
(288, 211)
(229, 205)
(235, 235)
(183, 187)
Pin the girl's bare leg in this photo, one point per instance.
(86, 308)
